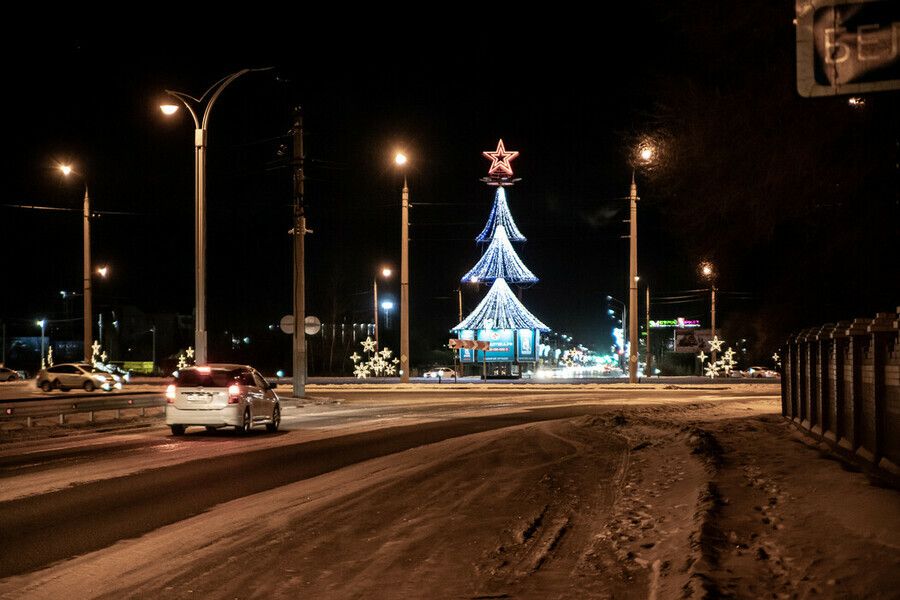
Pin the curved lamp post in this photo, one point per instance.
(200, 145)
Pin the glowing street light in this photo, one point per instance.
(42, 323)
(708, 272)
(200, 145)
(386, 306)
(88, 309)
(401, 161)
(384, 273)
(646, 155)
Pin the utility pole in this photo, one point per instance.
(633, 291)
(299, 231)
(649, 372)
(404, 284)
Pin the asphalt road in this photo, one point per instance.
(44, 528)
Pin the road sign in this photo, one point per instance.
(469, 345)
(312, 325)
(847, 46)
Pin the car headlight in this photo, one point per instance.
(100, 378)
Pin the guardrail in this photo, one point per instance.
(841, 384)
(60, 407)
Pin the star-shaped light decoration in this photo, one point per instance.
(95, 347)
(500, 161)
(103, 356)
(361, 371)
(368, 345)
(712, 370)
(716, 343)
(702, 356)
(355, 357)
(190, 352)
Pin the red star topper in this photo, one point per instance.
(500, 160)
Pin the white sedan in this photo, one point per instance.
(760, 372)
(441, 373)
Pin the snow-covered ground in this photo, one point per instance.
(708, 495)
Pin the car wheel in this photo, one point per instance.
(211, 428)
(46, 386)
(244, 427)
(276, 420)
(177, 429)
(57, 385)
(88, 386)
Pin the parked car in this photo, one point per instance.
(221, 395)
(7, 374)
(441, 372)
(67, 376)
(760, 372)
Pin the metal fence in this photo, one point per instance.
(28, 410)
(841, 384)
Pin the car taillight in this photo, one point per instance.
(170, 393)
(234, 394)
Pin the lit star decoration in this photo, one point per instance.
(376, 362)
(715, 344)
(702, 356)
(500, 161)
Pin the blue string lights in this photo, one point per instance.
(500, 217)
(500, 309)
(500, 261)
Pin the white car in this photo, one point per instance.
(760, 372)
(67, 376)
(7, 374)
(441, 373)
(221, 395)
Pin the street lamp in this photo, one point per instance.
(404, 274)
(200, 145)
(42, 324)
(708, 272)
(67, 170)
(385, 273)
(645, 155)
(387, 305)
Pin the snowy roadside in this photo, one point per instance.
(715, 497)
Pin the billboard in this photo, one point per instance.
(526, 345)
(502, 347)
(847, 46)
(692, 340)
(467, 355)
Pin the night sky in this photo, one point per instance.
(795, 200)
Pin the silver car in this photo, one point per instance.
(221, 395)
(7, 374)
(68, 376)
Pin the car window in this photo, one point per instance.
(246, 378)
(260, 382)
(212, 378)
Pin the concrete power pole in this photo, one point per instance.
(299, 232)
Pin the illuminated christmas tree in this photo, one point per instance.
(500, 317)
